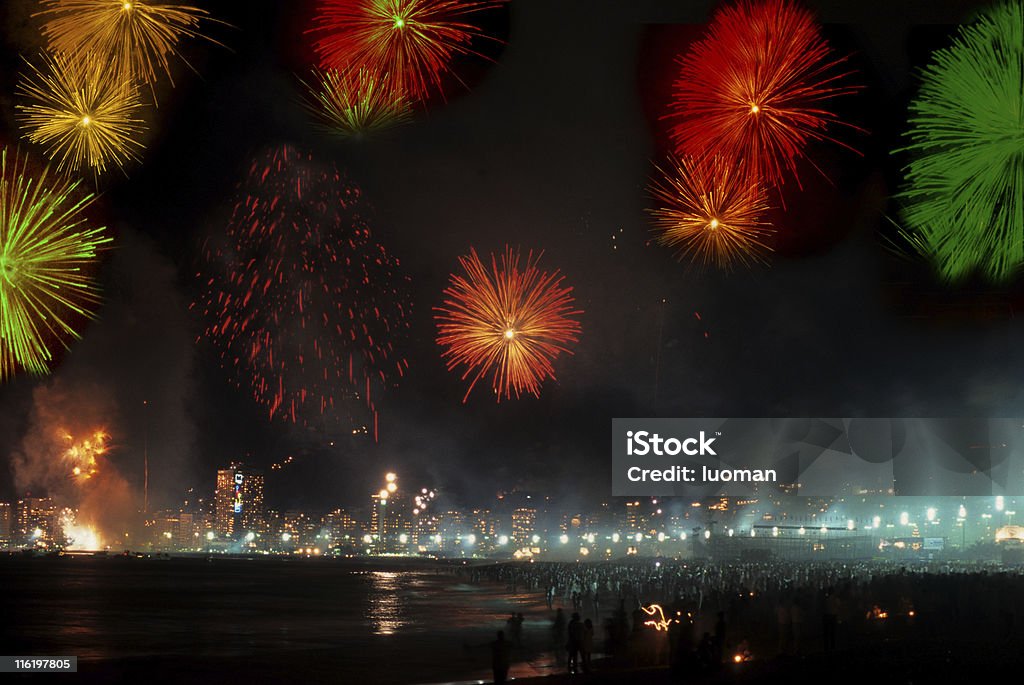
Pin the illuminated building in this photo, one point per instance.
(524, 521)
(6, 524)
(238, 501)
(35, 521)
(340, 525)
(483, 522)
(188, 531)
(634, 519)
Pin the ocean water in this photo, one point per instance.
(258, 620)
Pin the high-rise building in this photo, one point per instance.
(35, 521)
(339, 526)
(238, 501)
(6, 524)
(524, 521)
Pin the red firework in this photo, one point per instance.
(410, 42)
(754, 88)
(303, 303)
(507, 322)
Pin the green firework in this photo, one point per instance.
(356, 103)
(964, 193)
(47, 255)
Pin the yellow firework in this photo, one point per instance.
(355, 104)
(711, 212)
(137, 38)
(86, 117)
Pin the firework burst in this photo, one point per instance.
(138, 39)
(964, 194)
(413, 41)
(82, 456)
(754, 89)
(85, 117)
(710, 212)
(304, 305)
(356, 104)
(507, 322)
(47, 253)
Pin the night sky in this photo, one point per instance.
(550, 148)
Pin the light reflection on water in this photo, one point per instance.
(386, 610)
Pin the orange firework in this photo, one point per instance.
(82, 456)
(507, 322)
(711, 212)
(755, 88)
(409, 42)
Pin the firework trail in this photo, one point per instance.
(964, 192)
(754, 89)
(85, 116)
(410, 43)
(48, 254)
(710, 212)
(305, 306)
(507, 322)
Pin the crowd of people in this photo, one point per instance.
(701, 614)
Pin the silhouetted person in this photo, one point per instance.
(587, 644)
(830, 619)
(575, 642)
(719, 638)
(518, 634)
(500, 658)
(558, 634)
(706, 651)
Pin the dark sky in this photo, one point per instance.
(550, 149)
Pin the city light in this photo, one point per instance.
(210, 535)
(930, 513)
(285, 537)
(563, 538)
(876, 522)
(850, 525)
(1000, 503)
(639, 537)
(403, 538)
(502, 540)
(775, 531)
(707, 535)
(904, 518)
(616, 537)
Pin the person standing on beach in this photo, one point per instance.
(558, 635)
(500, 658)
(575, 642)
(587, 644)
